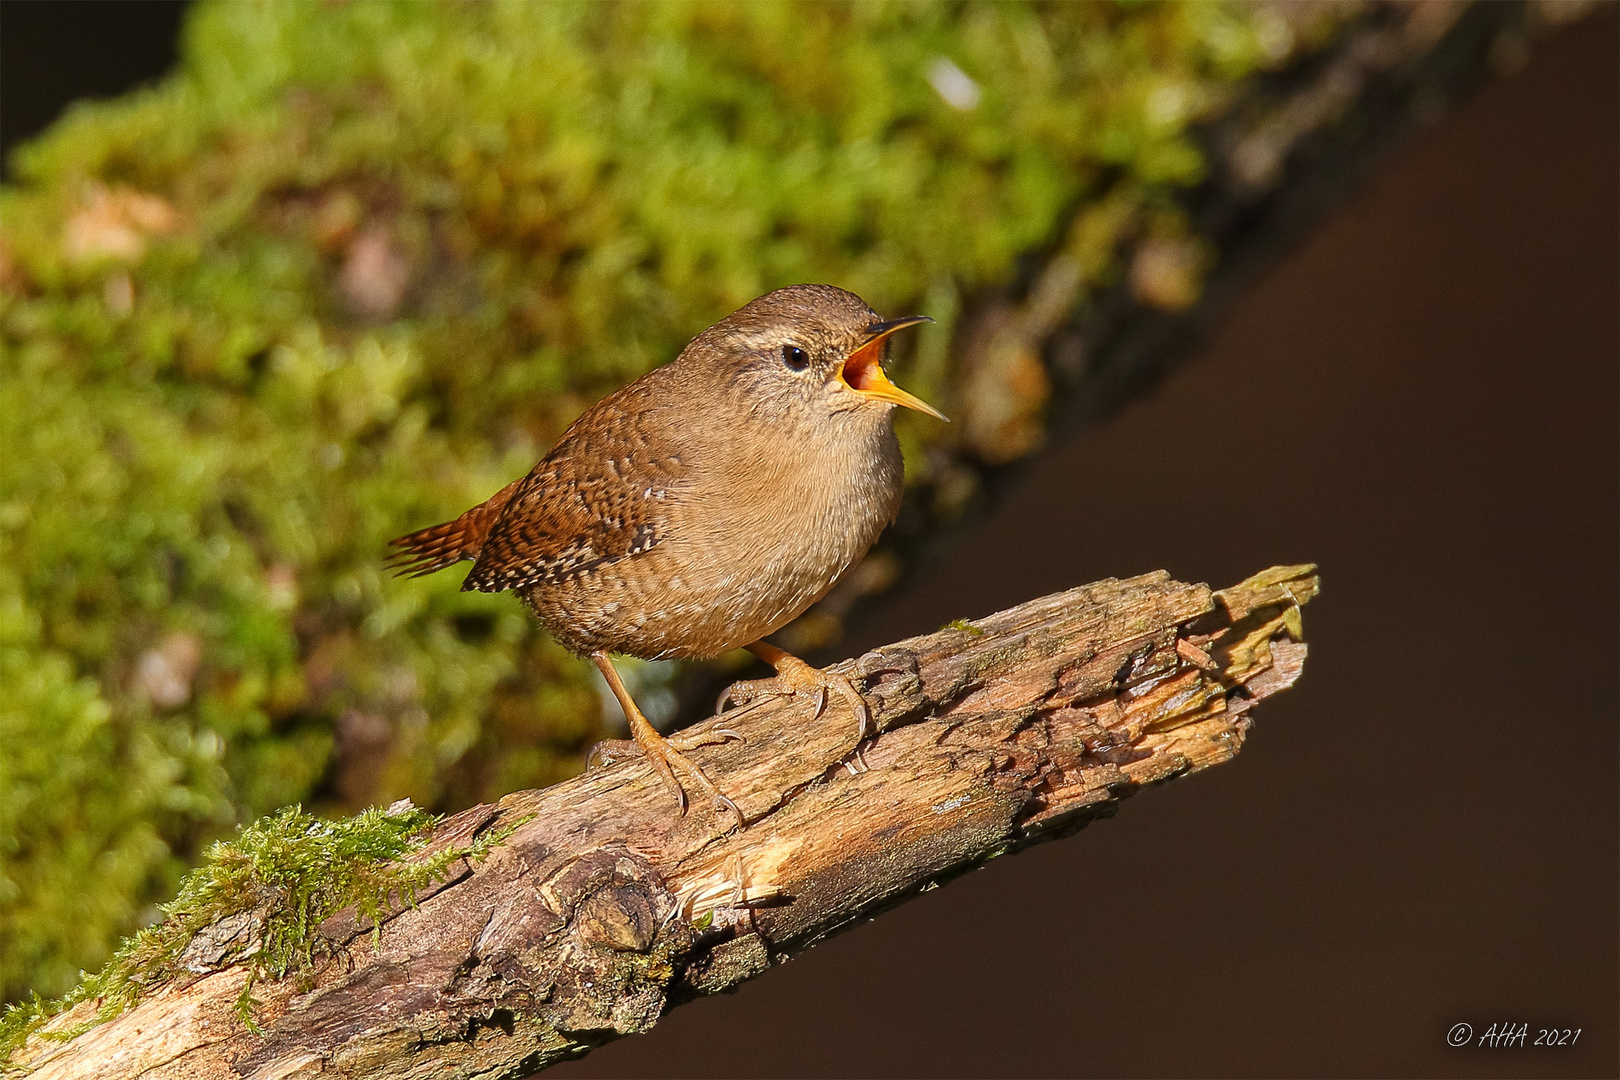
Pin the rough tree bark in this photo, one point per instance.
(604, 908)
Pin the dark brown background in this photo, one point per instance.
(1424, 832)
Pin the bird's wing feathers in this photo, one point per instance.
(590, 502)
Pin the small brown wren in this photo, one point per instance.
(705, 505)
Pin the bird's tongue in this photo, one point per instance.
(863, 370)
(863, 373)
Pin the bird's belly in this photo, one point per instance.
(671, 607)
(703, 592)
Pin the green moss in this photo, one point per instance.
(352, 268)
(289, 872)
(965, 626)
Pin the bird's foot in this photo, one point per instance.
(689, 739)
(795, 678)
(665, 757)
(608, 751)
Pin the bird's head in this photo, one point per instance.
(807, 350)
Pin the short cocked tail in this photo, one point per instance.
(435, 548)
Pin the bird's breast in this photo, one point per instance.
(746, 543)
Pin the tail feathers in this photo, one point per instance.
(435, 548)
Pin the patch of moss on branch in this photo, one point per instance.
(280, 878)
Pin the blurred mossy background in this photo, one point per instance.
(353, 267)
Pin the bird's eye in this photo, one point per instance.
(795, 357)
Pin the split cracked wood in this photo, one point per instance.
(604, 908)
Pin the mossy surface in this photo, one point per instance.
(354, 267)
(284, 874)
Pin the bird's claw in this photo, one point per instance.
(794, 677)
(721, 802)
(746, 692)
(665, 757)
(687, 740)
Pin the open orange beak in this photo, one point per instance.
(863, 370)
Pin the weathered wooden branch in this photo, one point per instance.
(604, 908)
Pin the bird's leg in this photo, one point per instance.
(794, 676)
(663, 757)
